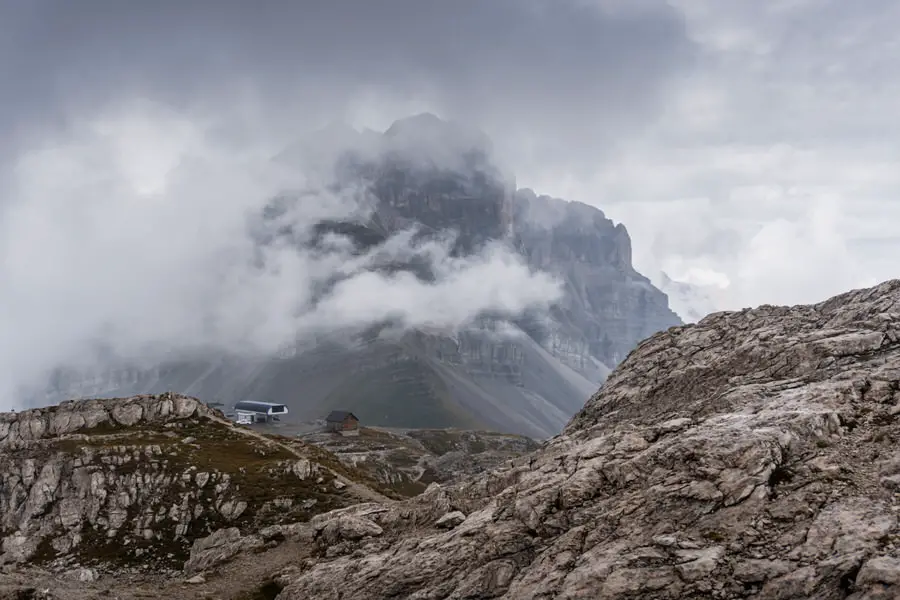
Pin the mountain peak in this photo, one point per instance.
(426, 136)
(425, 121)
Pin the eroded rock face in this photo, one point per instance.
(408, 461)
(752, 455)
(18, 429)
(218, 548)
(134, 481)
(608, 307)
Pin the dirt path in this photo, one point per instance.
(360, 491)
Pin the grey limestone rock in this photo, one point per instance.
(111, 482)
(218, 548)
(740, 457)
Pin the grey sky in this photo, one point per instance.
(747, 141)
(775, 160)
(556, 70)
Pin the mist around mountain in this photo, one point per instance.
(690, 301)
(436, 295)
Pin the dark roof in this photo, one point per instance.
(253, 406)
(338, 416)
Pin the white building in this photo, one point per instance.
(251, 411)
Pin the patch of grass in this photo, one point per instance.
(402, 458)
(477, 446)
(330, 461)
(259, 471)
(96, 548)
(437, 441)
(368, 432)
(408, 488)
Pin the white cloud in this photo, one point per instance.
(131, 235)
(765, 155)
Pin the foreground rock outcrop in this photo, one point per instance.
(752, 455)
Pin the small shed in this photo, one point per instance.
(343, 422)
(251, 411)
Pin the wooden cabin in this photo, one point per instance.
(343, 422)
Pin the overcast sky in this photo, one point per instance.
(747, 142)
(773, 162)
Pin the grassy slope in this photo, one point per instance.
(407, 393)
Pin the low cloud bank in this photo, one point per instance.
(130, 238)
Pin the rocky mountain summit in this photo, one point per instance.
(525, 374)
(608, 306)
(752, 455)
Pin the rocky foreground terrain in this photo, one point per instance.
(753, 455)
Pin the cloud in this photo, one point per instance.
(132, 237)
(135, 140)
(511, 67)
(746, 141)
(773, 161)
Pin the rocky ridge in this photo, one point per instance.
(608, 307)
(753, 455)
(407, 461)
(133, 482)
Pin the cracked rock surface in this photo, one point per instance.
(754, 455)
(133, 482)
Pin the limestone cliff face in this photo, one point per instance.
(475, 205)
(608, 306)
